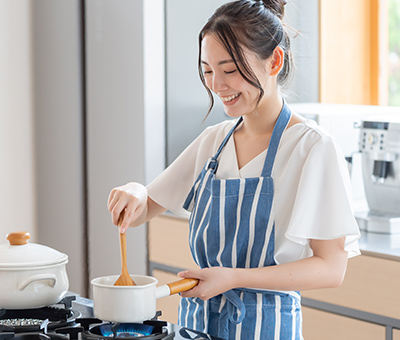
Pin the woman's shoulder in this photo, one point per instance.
(307, 138)
(222, 126)
(208, 141)
(218, 131)
(309, 131)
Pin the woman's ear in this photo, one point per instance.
(277, 60)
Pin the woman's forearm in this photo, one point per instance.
(310, 273)
(325, 269)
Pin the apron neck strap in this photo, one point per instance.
(280, 126)
(277, 133)
(214, 162)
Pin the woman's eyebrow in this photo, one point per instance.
(227, 61)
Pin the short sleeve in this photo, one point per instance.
(172, 186)
(323, 203)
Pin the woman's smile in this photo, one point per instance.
(230, 100)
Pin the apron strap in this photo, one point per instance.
(280, 126)
(234, 306)
(235, 310)
(213, 162)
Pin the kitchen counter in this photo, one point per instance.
(380, 245)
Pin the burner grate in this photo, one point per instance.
(29, 320)
(21, 322)
(32, 336)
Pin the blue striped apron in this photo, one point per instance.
(231, 226)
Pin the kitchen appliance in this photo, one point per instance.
(73, 319)
(379, 144)
(32, 275)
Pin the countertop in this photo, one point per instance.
(380, 245)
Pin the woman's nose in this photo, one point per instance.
(218, 83)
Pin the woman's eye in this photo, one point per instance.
(230, 72)
(207, 72)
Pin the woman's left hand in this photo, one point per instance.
(212, 281)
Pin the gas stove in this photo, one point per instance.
(73, 319)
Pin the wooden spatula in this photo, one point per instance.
(124, 279)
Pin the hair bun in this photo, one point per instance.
(276, 6)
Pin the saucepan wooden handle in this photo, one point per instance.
(182, 285)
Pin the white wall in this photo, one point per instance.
(154, 87)
(116, 124)
(57, 90)
(17, 189)
(303, 17)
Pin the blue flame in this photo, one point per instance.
(124, 330)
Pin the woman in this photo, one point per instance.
(268, 192)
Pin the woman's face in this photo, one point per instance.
(223, 78)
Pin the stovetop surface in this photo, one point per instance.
(85, 306)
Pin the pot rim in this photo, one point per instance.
(97, 282)
(31, 266)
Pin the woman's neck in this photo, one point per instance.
(262, 120)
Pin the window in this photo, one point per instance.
(360, 53)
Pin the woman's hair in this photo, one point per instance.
(256, 26)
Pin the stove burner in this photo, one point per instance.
(124, 330)
(28, 320)
(95, 329)
(61, 322)
(21, 322)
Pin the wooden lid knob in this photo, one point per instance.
(18, 238)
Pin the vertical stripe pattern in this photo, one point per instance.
(232, 225)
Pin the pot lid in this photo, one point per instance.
(19, 253)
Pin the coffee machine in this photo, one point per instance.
(379, 144)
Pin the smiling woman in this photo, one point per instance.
(267, 193)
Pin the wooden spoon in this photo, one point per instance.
(124, 279)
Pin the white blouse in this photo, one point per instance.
(312, 189)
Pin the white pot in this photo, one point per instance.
(132, 303)
(31, 275)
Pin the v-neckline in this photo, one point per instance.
(262, 153)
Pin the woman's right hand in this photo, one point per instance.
(132, 198)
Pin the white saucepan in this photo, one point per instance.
(31, 275)
(132, 303)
